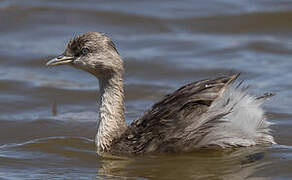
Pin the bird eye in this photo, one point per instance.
(84, 51)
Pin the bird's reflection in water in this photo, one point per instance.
(205, 164)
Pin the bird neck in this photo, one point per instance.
(111, 111)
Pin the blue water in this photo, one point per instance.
(165, 44)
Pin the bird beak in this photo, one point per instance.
(62, 59)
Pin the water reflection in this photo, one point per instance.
(231, 164)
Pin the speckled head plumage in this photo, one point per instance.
(95, 53)
(94, 41)
(92, 52)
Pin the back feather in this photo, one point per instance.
(207, 113)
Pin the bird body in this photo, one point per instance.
(204, 114)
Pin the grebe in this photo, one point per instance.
(210, 113)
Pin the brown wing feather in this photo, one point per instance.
(165, 127)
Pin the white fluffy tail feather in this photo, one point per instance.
(244, 124)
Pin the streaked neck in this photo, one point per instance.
(111, 111)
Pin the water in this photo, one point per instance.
(165, 44)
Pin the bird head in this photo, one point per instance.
(92, 52)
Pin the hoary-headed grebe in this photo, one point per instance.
(210, 113)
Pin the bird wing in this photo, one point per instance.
(177, 120)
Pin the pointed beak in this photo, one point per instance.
(60, 60)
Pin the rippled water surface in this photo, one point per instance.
(48, 115)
